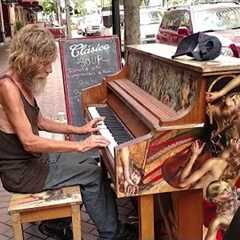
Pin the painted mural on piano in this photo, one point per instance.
(189, 158)
(160, 163)
(223, 109)
(151, 76)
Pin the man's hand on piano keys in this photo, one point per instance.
(92, 142)
(93, 125)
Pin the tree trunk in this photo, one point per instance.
(131, 22)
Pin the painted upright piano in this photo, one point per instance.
(155, 112)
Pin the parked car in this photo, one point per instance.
(57, 31)
(219, 19)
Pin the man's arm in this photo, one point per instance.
(12, 104)
(57, 127)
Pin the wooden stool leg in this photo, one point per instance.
(17, 226)
(76, 222)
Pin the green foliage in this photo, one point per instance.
(104, 3)
(73, 26)
(18, 25)
(49, 6)
(145, 2)
(80, 7)
(179, 2)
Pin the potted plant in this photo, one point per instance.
(18, 25)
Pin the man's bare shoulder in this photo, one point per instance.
(6, 82)
(7, 86)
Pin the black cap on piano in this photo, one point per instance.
(200, 46)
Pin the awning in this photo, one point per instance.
(37, 8)
(32, 4)
(9, 1)
(29, 2)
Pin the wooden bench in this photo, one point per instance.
(61, 203)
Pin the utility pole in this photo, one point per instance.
(2, 29)
(68, 19)
(59, 14)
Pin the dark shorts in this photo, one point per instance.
(68, 169)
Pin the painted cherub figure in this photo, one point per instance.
(226, 112)
(212, 96)
(224, 166)
(226, 199)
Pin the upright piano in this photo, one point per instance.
(155, 110)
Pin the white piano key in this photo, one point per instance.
(93, 112)
(101, 124)
(104, 130)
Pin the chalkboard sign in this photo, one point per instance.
(85, 62)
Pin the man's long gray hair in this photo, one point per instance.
(31, 48)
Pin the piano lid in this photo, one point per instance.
(163, 52)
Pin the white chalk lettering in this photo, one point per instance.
(85, 49)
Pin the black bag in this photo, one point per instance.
(59, 229)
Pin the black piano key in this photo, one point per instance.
(114, 125)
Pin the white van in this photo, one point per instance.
(92, 24)
(150, 18)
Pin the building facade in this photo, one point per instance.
(14, 14)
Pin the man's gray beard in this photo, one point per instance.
(38, 85)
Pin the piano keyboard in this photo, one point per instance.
(112, 128)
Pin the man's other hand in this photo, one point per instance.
(93, 125)
(93, 141)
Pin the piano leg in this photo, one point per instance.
(146, 217)
(189, 214)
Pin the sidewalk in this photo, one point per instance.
(3, 56)
(51, 102)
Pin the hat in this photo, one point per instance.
(200, 46)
